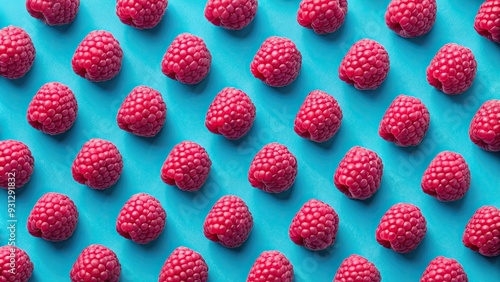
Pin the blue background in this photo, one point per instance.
(276, 108)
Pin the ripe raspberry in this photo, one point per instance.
(143, 112)
(231, 14)
(452, 70)
(17, 52)
(277, 63)
(319, 117)
(53, 218)
(187, 166)
(96, 263)
(142, 219)
(53, 12)
(487, 22)
(405, 122)
(273, 169)
(484, 128)
(445, 270)
(359, 173)
(98, 165)
(98, 57)
(231, 114)
(447, 178)
(411, 18)
(365, 65)
(322, 16)
(184, 264)
(357, 268)
(315, 226)
(482, 233)
(229, 222)
(21, 263)
(141, 14)
(402, 228)
(187, 59)
(16, 164)
(271, 266)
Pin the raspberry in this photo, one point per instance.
(278, 62)
(315, 226)
(273, 169)
(16, 164)
(231, 114)
(445, 270)
(231, 14)
(452, 70)
(53, 218)
(487, 22)
(53, 12)
(98, 57)
(271, 266)
(184, 264)
(482, 233)
(357, 268)
(447, 178)
(187, 166)
(187, 59)
(98, 165)
(365, 65)
(96, 263)
(141, 14)
(319, 117)
(484, 128)
(23, 267)
(402, 228)
(17, 52)
(359, 173)
(405, 122)
(322, 16)
(229, 222)
(142, 219)
(411, 18)
(143, 112)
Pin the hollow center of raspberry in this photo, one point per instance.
(397, 27)
(81, 72)
(216, 21)
(436, 83)
(344, 189)
(171, 75)
(36, 124)
(385, 243)
(305, 134)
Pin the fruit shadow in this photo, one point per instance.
(418, 254)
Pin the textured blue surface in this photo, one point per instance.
(276, 108)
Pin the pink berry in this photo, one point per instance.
(96, 263)
(322, 16)
(184, 264)
(487, 21)
(53, 12)
(17, 52)
(357, 268)
(16, 164)
(484, 128)
(231, 14)
(271, 266)
(444, 270)
(15, 264)
(141, 14)
(411, 18)
(482, 232)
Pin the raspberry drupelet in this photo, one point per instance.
(17, 52)
(322, 16)
(184, 264)
(53, 12)
(231, 14)
(96, 263)
(141, 14)
(484, 128)
(271, 266)
(357, 268)
(445, 270)
(411, 18)
(16, 164)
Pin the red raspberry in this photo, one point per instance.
(278, 62)
(484, 128)
(271, 266)
(273, 169)
(184, 264)
(143, 112)
(17, 52)
(53, 218)
(98, 165)
(447, 178)
(359, 173)
(15, 264)
(405, 122)
(141, 14)
(487, 22)
(357, 268)
(187, 166)
(96, 263)
(142, 219)
(445, 270)
(319, 117)
(231, 14)
(365, 65)
(229, 222)
(452, 70)
(482, 233)
(322, 16)
(411, 18)
(315, 226)
(53, 12)
(231, 114)
(187, 59)
(402, 228)
(16, 164)
(98, 57)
